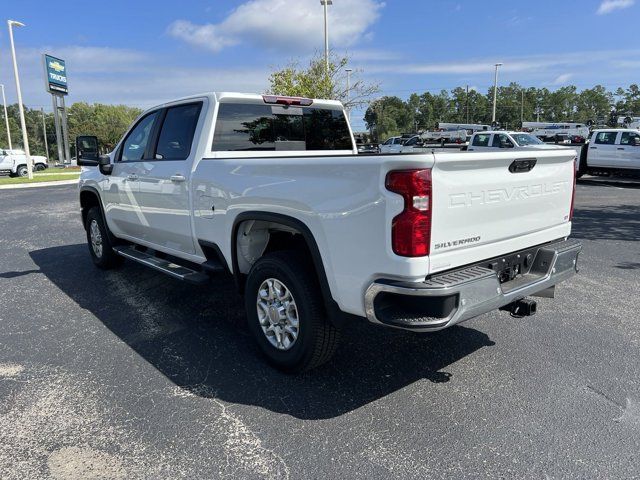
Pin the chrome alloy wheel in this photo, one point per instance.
(96, 238)
(278, 314)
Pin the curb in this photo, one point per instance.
(40, 184)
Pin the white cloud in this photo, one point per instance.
(530, 63)
(135, 78)
(608, 6)
(562, 78)
(286, 24)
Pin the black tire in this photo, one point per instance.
(105, 257)
(317, 338)
(40, 167)
(582, 162)
(22, 171)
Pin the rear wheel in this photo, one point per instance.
(39, 167)
(286, 314)
(99, 242)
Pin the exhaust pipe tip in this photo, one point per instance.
(524, 307)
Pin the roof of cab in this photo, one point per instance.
(243, 97)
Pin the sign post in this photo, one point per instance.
(55, 71)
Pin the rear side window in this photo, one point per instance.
(176, 136)
(629, 138)
(244, 127)
(481, 140)
(606, 138)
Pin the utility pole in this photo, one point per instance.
(348, 70)
(522, 108)
(495, 93)
(467, 106)
(11, 24)
(325, 4)
(6, 117)
(44, 134)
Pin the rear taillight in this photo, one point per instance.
(573, 194)
(411, 230)
(275, 99)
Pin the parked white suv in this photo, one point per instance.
(272, 191)
(14, 162)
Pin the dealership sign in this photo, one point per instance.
(56, 75)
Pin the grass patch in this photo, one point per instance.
(39, 178)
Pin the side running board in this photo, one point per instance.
(174, 270)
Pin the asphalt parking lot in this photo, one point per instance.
(130, 374)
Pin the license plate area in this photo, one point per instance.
(512, 266)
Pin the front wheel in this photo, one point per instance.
(100, 248)
(22, 171)
(286, 314)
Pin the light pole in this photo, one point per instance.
(44, 134)
(11, 24)
(6, 117)
(348, 70)
(326, 3)
(495, 93)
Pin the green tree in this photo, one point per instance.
(594, 104)
(313, 81)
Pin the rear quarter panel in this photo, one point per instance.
(341, 199)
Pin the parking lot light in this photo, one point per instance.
(6, 117)
(495, 94)
(10, 25)
(325, 4)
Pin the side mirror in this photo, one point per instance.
(104, 162)
(87, 151)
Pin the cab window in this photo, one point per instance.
(630, 138)
(135, 144)
(606, 138)
(481, 140)
(176, 135)
(501, 139)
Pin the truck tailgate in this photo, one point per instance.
(489, 204)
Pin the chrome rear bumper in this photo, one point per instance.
(453, 297)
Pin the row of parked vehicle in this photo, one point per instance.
(604, 151)
(14, 163)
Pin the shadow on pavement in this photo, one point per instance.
(197, 338)
(611, 222)
(624, 182)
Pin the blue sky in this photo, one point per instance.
(143, 52)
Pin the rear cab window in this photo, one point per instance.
(266, 127)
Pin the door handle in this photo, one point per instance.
(593, 148)
(132, 176)
(620, 148)
(177, 178)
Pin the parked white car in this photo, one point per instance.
(611, 150)
(272, 191)
(392, 145)
(14, 162)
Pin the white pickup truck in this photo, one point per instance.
(272, 190)
(611, 150)
(14, 162)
